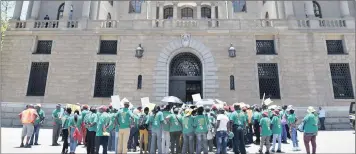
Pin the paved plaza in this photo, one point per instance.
(327, 142)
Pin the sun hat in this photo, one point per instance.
(188, 112)
(226, 107)
(213, 107)
(265, 114)
(39, 105)
(311, 109)
(290, 107)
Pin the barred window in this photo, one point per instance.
(341, 80)
(38, 79)
(268, 80)
(187, 13)
(135, 6)
(205, 12)
(139, 82)
(232, 82)
(334, 47)
(265, 47)
(168, 13)
(104, 80)
(44, 47)
(108, 47)
(239, 5)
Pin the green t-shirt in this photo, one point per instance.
(124, 118)
(265, 124)
(239, 118)
(310, 123)
(56, 114)
(83, 114)
(175, 123)
(276, 125)
(93, 119)
(67, 121)
(257, 116)
(201, 124)
(102, 121)
(155, 121)
(112, 117)
(291, 118)
(166, 124)
(41, 115)
(79, 122)
(188, 124)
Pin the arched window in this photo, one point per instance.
(187, 13)
(206, 12)
(60, 11)
(232, 82)
(239, 5)
(135, 6)
(266, 15)
(317, 9)
(267, 21)
(111, 2)
(108, 17)
(139, 82)
(168, 13)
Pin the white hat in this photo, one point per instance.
(290, 107)
(311, 109)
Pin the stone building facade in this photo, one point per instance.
(292, 51)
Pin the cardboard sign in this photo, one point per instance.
(115, 102)
(196, 97)
(268, 101)
(145, 101)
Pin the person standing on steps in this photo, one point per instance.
(322, 115)
(57, 124)
(27, 117)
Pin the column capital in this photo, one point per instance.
(198, 3)
(160, 3)
(175, 3)
(214, 3)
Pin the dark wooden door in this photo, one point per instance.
(177, 88)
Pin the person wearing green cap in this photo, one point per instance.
(265, 125)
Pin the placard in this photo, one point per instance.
(268, 101)
(196, 97)
(145, 101)
(115, 102)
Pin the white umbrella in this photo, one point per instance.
(171, 99)
(205, 102)
(272, 107)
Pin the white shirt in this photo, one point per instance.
(322, 113)
(223, 122)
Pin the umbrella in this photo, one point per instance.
(172, 99)
(272, 107)
(205, 102)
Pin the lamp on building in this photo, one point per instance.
(232, 51)
(139, 51)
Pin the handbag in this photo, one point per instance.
(301, 127)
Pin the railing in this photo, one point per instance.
(46, 24)
(199, 24)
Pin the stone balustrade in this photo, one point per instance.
(199, 24)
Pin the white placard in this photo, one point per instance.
(196, 97)
(145, 101)
(268, 101)
(115, 100)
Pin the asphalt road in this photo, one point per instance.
(327, 142)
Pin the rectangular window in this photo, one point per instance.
(265, 47)
(104, 80)
(108, 47)
(334, 47)
(135, 6)
(268, 80)
(239, 5)
(111, 2)
(44, 47)
(38, 78)
(341, 80)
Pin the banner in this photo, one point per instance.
(115, 102)
(196, 97)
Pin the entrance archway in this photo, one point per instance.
(185, 76)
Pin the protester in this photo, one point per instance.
(310, 130)
(124, 116)
(175, 128)
(276, 131)
(91, 124)
(222, 131)
(57, 124)
(166, 134)
(239, 123)
(65, 129)
(83, 129)
(134, 132)
(265, 124)
(37, 125)
(292, 122)
(256, 118)
(156, 120)
(322, 115)
(188, 132)
(143, 127)
(27, 117)
(201, 129)
(73, 126)
(102, 135)
(111, 129)
(211, 128)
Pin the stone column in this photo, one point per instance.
(309, 9)
(94, 10)
(86, 10)
(289, 9)
(29, 9)
(67, 9)
(35, 10)
(213, 21)
(17, 10)
(198, 10)
(161, 10)
(280, 9)
(344, 7)
(175, 10)
(115, 9)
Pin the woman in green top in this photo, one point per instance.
(188, 132)
(292, 120)
(310, 129)
(175, 130)
(201, 129)
(276, 131)
(156, 120)
(73, 124)
(65, 129)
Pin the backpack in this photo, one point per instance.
(142, 122)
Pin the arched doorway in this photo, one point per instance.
(185, 76)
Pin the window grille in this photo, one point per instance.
(334, 47)
(108, 47)
(104, 80)
(341, 81)
(264, 47)
(38, 79)
(268, 80)
(44, 47)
